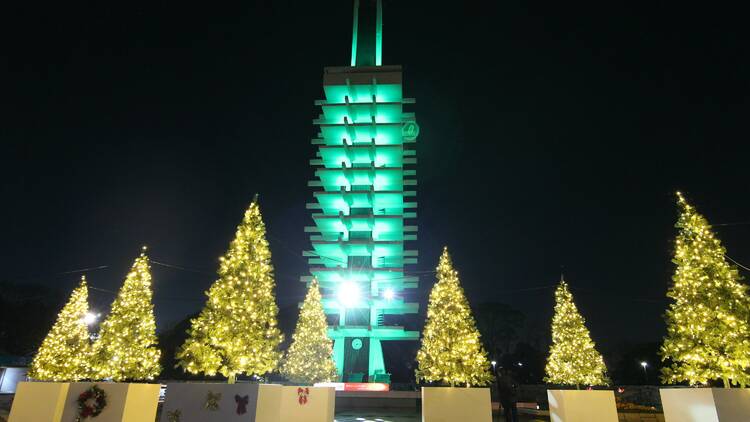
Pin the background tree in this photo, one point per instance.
(573, 358)
(237, 331)
(44, 303)
(126, 348)
(65, 353)
(310, 357)
(708, 336)
(526, 362)
(170, 339)
(500, 325)
(451, 351)
(624, 361)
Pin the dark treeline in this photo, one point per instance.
(27, 311)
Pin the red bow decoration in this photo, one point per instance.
(241, 404)
(302, 394)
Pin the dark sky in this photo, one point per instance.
(552, 133)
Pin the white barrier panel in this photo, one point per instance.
(452, 404)
(39, 402)
(209, 402)
(582, 406)
(308, 404)
(705, 404)
(9, 379)
(124, 402)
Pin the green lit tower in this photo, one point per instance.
(364, 202)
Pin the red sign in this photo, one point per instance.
(355, 386)
(366, 386)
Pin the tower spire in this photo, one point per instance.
(367, 33)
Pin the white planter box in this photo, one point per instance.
(307, 404)
(456, 404)
(582, 406)
(235, 402)
(39, 401)
(705, 404)
(125, 402)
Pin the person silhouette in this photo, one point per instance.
(507, 392)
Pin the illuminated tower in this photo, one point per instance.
(364, 202)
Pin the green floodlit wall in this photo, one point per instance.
(364, 206)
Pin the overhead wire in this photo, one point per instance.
(179, 267)
(80, 270)
(737, 263)
(287, 249)
(504, 291)
(203, 272)
(739, 223)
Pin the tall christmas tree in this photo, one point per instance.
(66, 351)
(237, 332)
(309, 358)
(708, 336)
(126, 348)
(573, 359)
(451, 350)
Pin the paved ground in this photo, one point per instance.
(391, 416)
(384, 416)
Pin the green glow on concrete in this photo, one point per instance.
(382, 156)
(379, 37)
(380, 178)
(388, 202)
(354, 33)
(339, 251)
(365, 200)
(383, 227)
(362, 133)
(338, 350)
(367, 33)
(376, 362)
(361, 113)
(384, 333)
(387, 93)
(392, 307)
(386, 277)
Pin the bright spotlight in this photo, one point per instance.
(348, 294)
(644, 364)
(389, 294)
(90, 318)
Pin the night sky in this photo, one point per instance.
(552, 134)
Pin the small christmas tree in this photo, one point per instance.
(66, 351)
(237, 332)
(708, 336)
(309, 358)
(573, 359)
(126, 348)
(451, 350)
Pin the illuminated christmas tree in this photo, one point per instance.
(66, 351)
(309, 358)
(451, 350)
(708, 336)
(573, 359)
(237, 332)
(126, 348)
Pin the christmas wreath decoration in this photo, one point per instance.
(91, 403)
